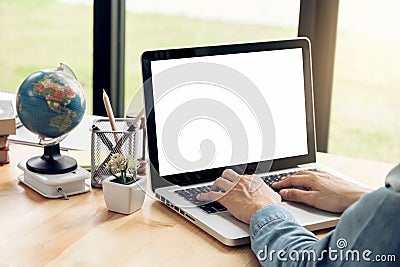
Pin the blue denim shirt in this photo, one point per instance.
(368, 233)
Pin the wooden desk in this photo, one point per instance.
(35, 231)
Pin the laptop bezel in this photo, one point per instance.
(254, 167)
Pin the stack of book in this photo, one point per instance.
(7, 127)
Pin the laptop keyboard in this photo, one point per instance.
(273, 178)
(190, 194)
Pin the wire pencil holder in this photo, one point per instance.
(106, 142)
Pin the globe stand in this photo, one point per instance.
(51, 162)
(53, 175)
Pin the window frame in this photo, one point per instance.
(318, 21)
(109, 55)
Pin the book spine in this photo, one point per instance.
(4, 157)
(3, 141)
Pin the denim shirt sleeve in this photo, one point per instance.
(367, 229)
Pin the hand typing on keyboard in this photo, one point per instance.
(242, 195)
(272, 178)
(190, 194)
(326, 192)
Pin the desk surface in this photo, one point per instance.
(35, 231)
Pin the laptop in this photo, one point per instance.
(247, 107)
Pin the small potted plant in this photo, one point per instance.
(124, 190)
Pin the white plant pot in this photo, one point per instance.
(124, 199)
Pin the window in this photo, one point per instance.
(366, 90)
(40, 34)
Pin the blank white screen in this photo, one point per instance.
(278, 74)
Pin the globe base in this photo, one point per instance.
(51, 162)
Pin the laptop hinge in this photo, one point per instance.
(308, 165)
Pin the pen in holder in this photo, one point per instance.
(106, 142)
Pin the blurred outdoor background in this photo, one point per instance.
(37, 34)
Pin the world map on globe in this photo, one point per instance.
(50, 102)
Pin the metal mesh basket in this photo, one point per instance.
(106, 142)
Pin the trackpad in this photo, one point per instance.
(306, 215)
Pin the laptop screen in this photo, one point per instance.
(214, 107)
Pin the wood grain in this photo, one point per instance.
(35, 231)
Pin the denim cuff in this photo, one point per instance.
(266, 215)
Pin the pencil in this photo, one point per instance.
(110, 114)
(139, 116)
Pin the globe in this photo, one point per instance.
(50, 103)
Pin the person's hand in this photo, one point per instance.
(327, 192)
(242, 195)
